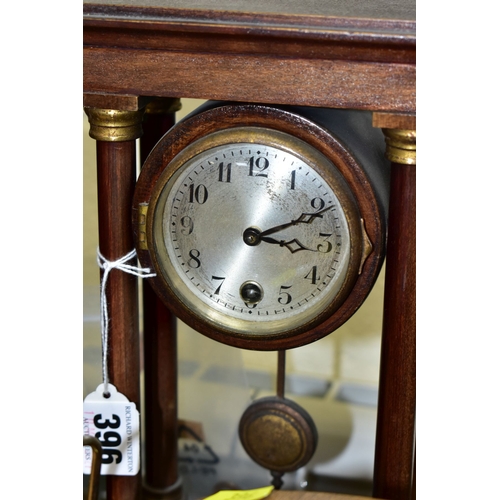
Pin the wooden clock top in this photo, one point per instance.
(355, 54)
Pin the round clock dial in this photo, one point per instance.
(255, 234)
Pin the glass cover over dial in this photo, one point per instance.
(257, 237)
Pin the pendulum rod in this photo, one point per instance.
(277, 481)
(281, 374)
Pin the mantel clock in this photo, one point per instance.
(265, 225)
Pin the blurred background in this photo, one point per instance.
(335, 379)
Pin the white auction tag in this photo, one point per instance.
(114, 421)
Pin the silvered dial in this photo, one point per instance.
(253, 236)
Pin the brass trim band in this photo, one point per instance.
(113, 125)
(401, 146)
(141, 229)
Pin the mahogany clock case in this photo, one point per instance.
(347, 138)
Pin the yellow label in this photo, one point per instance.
(256, 494)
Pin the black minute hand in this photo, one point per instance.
(305, 218)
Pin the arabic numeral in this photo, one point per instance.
(284, 298)
(312, 275)
(224, 176)
(114, 423)
(110, 438)
(194, 261)
(108, 455)
(322, 247)
(198, 194)
(318, 203)
(187, 225)
(260, 164)
(217, 290)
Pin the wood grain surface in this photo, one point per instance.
(355, 54)
(350, 59)
(395, 440)
(160, 360)
(311, 82)
(116, 181)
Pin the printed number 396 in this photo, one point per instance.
(109, 439)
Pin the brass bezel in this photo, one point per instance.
(173, 286)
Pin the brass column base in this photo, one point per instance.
(173, 492)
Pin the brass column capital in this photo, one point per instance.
(163, 106)
(401, 146)
(111, 125)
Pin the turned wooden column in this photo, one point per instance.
(395, 438)
(161, 479)
(115, 132)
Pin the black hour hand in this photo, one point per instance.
(293, 245)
